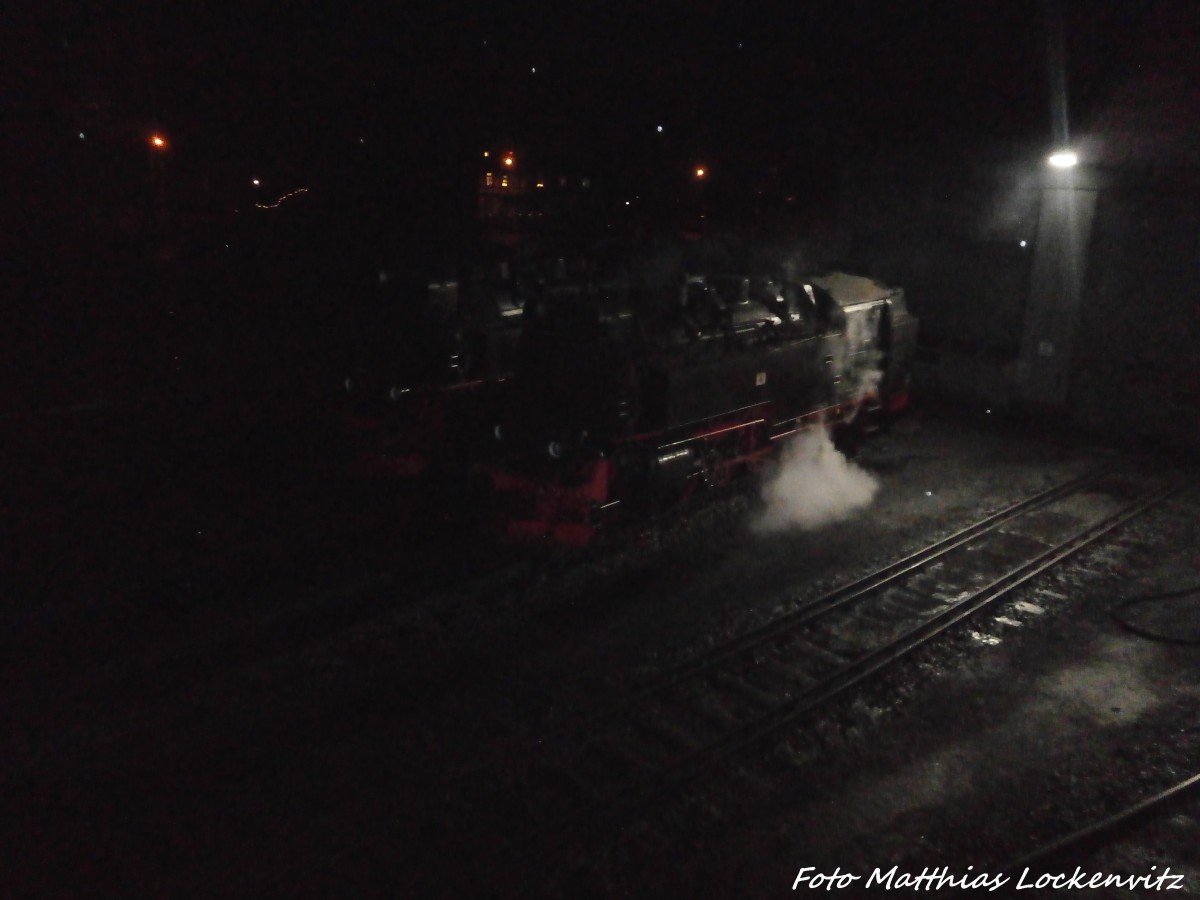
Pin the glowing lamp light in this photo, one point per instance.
(255, 182)
(1063, 159)
(701, 171)
(508, 160)
(158, 142)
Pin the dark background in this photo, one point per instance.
(407, 94)
(903, 139)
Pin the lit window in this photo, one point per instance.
(503, 181)
(487, 179)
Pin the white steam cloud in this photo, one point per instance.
(813, 485)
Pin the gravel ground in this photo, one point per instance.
(309, 729)
(1040, 719)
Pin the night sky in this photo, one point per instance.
(290, 93)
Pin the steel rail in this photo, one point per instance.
(1100, 834)
(878, 658)
(867, 584)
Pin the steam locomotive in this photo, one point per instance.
(628, 393)
(425, 388)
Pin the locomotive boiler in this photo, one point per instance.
(627, 395)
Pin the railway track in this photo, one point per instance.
(1154, 837)
(584, 786)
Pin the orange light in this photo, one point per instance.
(158, 142)
(700, 171)
(508, 160)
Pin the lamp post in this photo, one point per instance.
(1056, 295)
(157, 145)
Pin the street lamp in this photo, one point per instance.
(158, 142)
(701, 172)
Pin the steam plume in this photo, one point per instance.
(813, 485)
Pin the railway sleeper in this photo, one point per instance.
(777, 674)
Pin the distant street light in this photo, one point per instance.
(158, 142)
(1063, 159)
(701, 171)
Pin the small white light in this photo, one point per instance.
(1063, 159)
(555, 450)
(989, 412)
(929, 493)
(626, 202)
(255, 182)
(362, 140)
(1022, 243)
(383, 277)
(533, 70)
(82, 136)
(658, 129)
